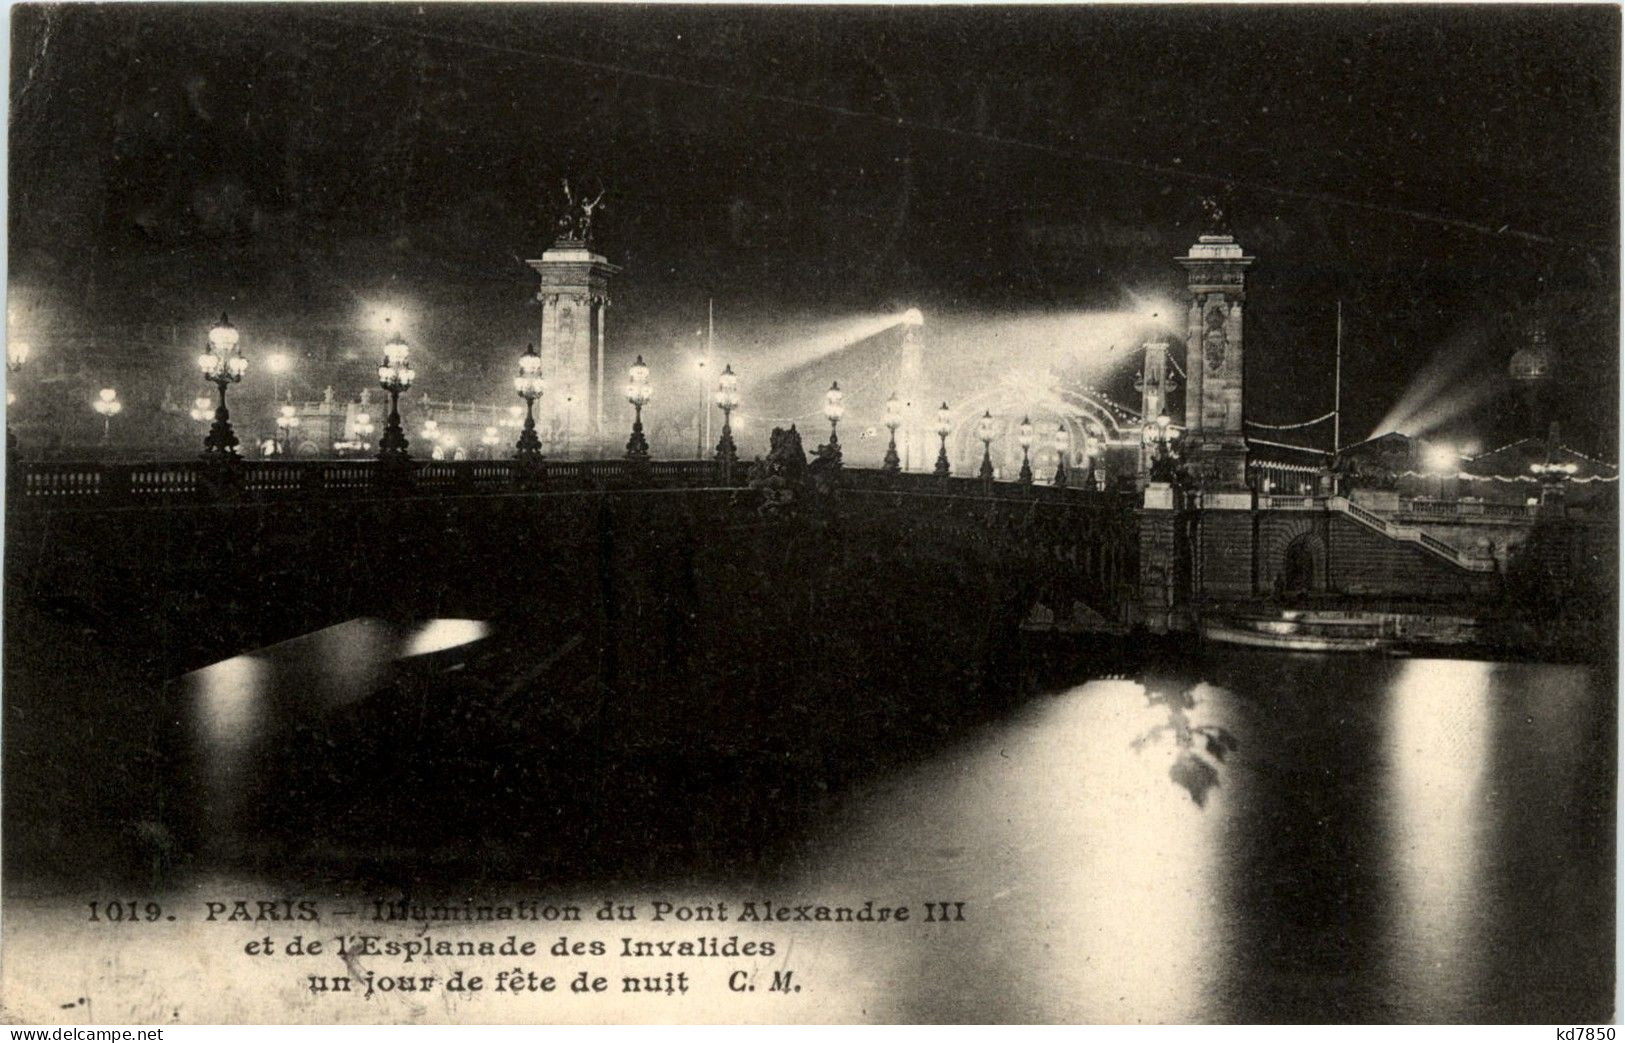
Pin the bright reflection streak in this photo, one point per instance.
(226, 703)
(1144, 888)
(1437, 748)
(1118, 879)
(437, 635)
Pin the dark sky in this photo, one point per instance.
(1450, 173)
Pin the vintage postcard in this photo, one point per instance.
(553, 514)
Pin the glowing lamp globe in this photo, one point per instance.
(912, 317)
(223, 335)
(984, 427)
(944, 420)
(894, 412)
(396, 351)
(833, 409)
(1025, 433)
(727, 396)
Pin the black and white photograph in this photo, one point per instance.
(632, 514)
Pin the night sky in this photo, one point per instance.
(1450, 174)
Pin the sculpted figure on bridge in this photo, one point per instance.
(783, 473)
(576, 221)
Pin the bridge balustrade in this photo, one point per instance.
(105, 483)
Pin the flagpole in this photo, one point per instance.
(1337, 387)
(710, 354)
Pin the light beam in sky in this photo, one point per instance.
(1420, 407)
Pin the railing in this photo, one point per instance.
(1465, 509)
(1410, 534)
(1291, 503)
(34, 484)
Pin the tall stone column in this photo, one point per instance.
(574, 292)
(1216, 445)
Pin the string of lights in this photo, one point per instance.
(1291, 427)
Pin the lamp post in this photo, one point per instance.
(833, 411)
(1063, 445)
(1161, 437)
(222, 365)
(1091, 455)
(727, 399)
(108, 405)
(528, 384)
(638, 393)
(395, 375)
(1552, 476)
(984, 431)
(17, 352)
(1025, 437)
(287, 420)
(278, 363)
(945, 424)
(894, 419)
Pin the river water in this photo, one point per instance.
(1246, 837)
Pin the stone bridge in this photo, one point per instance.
(202, 570)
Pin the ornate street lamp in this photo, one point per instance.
(108, 405)
(1091, 454)
(638, 393)
(833, 411)
(17, 352)
(1063, 445)
(1025, 437)
(1160, 436)
(222, 365)
(395, 375)
(894, 419)
(287, 419)
(528, 384)
(945, 424)
(984, 431)
(727, 399)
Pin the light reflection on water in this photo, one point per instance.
(1437, 747)
(1415, 798)
(238, 707)
(1098, 885)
